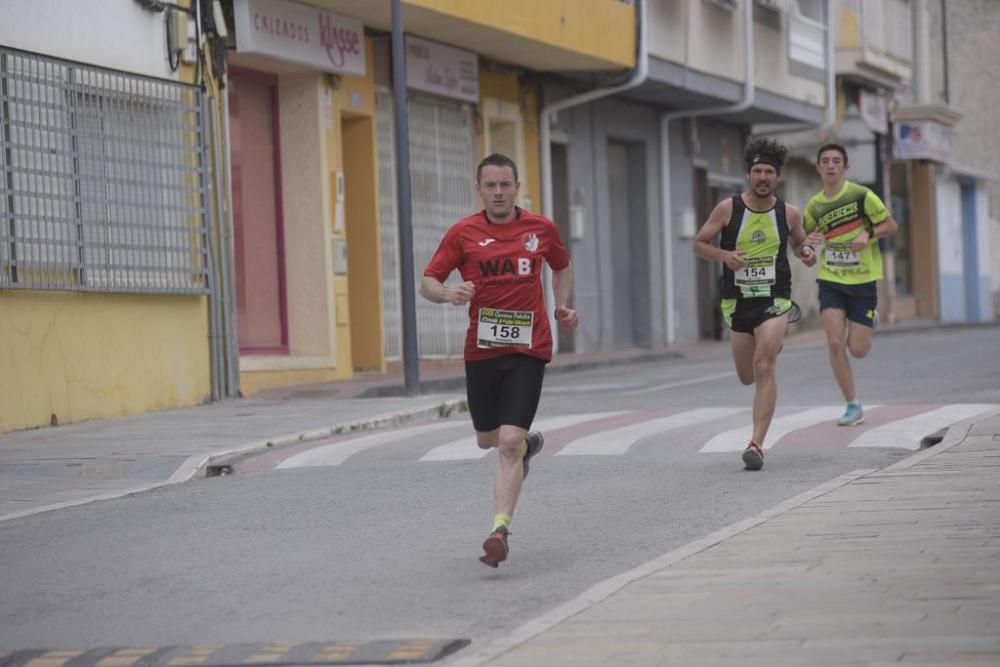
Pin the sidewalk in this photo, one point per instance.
(897, 566)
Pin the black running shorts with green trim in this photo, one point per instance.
(745, 315)
(504, 390)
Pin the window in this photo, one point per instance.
(102, 185)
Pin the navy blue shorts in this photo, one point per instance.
(504, 390)
(858, 301)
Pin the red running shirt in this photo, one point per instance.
(504, 261)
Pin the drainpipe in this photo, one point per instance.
(545, 117)
(665, 190)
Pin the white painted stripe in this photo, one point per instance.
(336, 453)
(682, 383)
(907, 433)
(466, 448)
(736, 439)
(619, 440)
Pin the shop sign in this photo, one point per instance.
(300, 34)
(921, 140)
(442, 70)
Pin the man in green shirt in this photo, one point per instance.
(844, 222)
(756, 229)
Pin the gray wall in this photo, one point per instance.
(718, 147)
(714, 144)
(590, 127)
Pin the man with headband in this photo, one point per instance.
(756, 279)
(846, 219)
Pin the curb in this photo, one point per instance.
(896, 329)
(438, 385)
(955, 434)
(200, 462)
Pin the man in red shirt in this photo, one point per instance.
(499, 253)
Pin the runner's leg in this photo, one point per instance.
(769, 335)
(835, 324)
(743, 352)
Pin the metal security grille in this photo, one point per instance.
(102, 181)
(442, 169)
(391, 307)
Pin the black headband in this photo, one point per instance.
(765, 158)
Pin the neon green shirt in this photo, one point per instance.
(841, 219)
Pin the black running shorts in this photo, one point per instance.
(504, 390)
(745, 315)
(858, 301)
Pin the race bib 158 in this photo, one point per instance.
(504, 328)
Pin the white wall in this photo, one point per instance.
(705, 38)
(949, 225)
(988, 271)
(118, 34)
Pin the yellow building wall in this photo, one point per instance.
(507, 88)
(361, 208)
(86, 356)
(334, 141)
(605, 30)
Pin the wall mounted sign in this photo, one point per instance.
(442, 70)
(300, 34)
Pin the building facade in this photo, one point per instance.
(643, 167)
(106, 214)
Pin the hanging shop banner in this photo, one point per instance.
(442, 70)
(300, 34)
(921, 140)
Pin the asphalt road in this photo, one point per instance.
(384, 545)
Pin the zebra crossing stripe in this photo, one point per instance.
(736, 439)
(908, 433)
(466, 448)
(620, 440)
(336, 453)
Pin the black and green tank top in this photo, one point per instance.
(762, 237)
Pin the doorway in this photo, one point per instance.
(629, 244)
(257, 222)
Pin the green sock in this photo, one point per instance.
(524, 447)
(501, 520)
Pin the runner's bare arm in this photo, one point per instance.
(562, 285)
(433, 290)
(797, 233)
(883, 229)
(716, 222)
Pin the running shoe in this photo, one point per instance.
(535, 442)
(753, 457)
(853, 416)
(495, 547)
